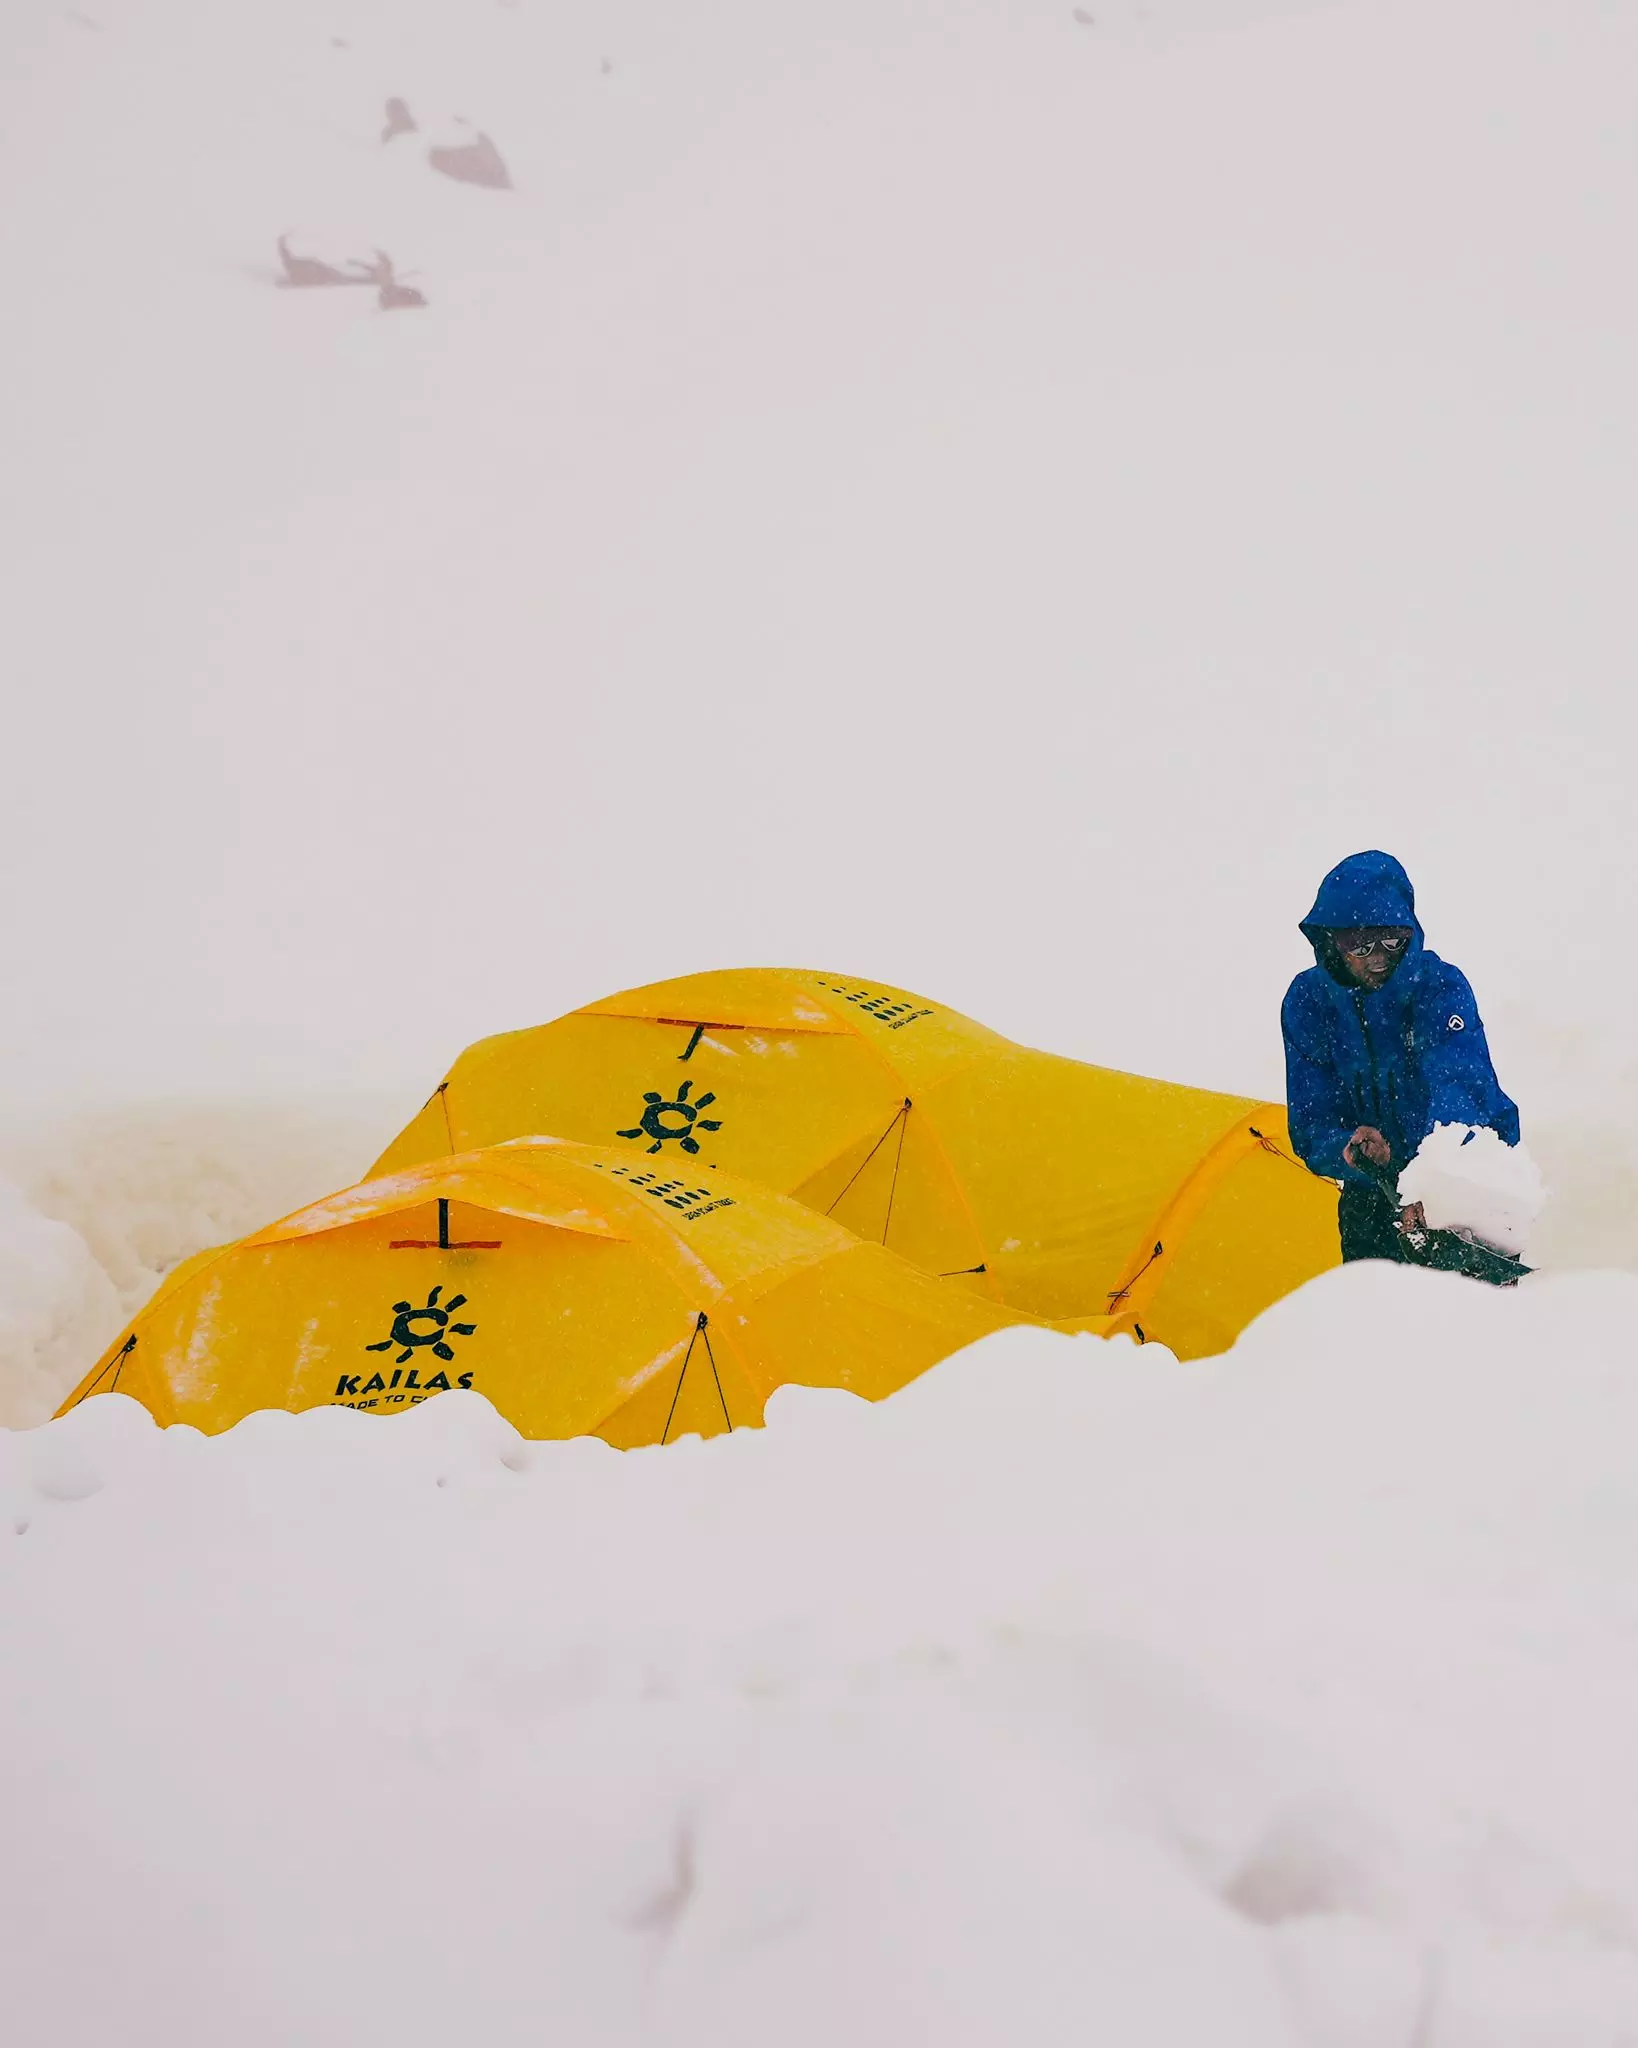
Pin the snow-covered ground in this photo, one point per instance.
(1282, 1701)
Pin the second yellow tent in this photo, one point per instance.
(1064, 1190)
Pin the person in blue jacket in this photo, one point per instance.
(1383, 1040)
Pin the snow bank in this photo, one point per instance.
(1472, 1180)
(1280, 1702)
(58, 1308)
(97, 1205)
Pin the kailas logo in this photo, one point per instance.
(1455, 1024)
(664, 1121)
(436, 1333)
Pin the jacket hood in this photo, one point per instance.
(1364, 889)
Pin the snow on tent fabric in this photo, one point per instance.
(1063, 1189)
(581, 1290)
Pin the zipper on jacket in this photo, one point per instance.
(1370, 1059)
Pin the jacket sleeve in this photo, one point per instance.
(1462, 1084)
(1315, 1107)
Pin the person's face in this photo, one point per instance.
(1371, 952)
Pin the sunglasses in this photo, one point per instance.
(1391, 943)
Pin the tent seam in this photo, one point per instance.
(1179, 1210)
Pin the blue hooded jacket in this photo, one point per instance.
(1403, 1057)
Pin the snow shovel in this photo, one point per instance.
(1449, 1250)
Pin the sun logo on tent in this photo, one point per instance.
(664, 1120)
(406, 1315)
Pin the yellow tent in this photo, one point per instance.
(1062, 1189)
(583, 1290)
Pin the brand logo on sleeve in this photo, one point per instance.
(1454, 1023)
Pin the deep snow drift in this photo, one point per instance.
(1284, 1701)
